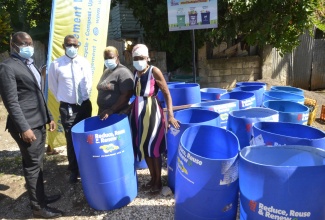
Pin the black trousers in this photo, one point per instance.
(32, 160)
(79, 113)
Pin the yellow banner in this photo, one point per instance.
(88, 21)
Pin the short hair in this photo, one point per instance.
(69, 37)
(111, 49)
(17, 34)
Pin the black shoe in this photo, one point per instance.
(51, 199)
(73, 177)
(47, 212)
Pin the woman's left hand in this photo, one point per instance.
(172, 121)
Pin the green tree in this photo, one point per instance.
(32, 16)
(319, 16)
(5, 30)
(257, 22)
(277, 22)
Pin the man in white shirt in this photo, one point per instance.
(70, 80)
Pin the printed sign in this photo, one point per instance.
(192, 14)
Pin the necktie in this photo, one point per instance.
(77, 85)
(30, 65)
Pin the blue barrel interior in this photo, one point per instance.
(196, 140)
(285, 133)
(206, 176)
(279, 95)
(251, 83)
(223, 107)
(289, 111)
(187, 118)
(246, 99)
(282, 182)
(192, 116)
(211, 93)
(258, 91)
(290, 129)
(288, 89)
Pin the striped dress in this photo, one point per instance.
(147, 118)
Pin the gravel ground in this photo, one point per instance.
(14, 200)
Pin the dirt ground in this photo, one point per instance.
(13, 196)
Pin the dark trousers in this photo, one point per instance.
(32, 160)
(79, 113)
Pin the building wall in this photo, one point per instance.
(122, 24)
(225, 72)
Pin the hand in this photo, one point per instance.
(28, 136)
(52, 126)
(105, 114)
(174, 122)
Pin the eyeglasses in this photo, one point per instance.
(71, 45)
(25, 45)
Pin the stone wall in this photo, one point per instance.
(225, 72)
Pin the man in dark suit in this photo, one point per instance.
(20, 89)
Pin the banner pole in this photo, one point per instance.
(193, 56)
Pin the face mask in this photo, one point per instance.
(71, 51)
(26, 52)
(140, 64)
(110, 63)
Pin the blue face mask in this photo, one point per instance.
(71, 52)
(26, 52)
(110, 63)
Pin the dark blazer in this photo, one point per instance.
(22, 97)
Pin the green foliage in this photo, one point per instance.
(31, 16)
(319, 16)
(277, 22)
(5, 30)
(257, 22)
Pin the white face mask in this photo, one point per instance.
(26, 52)
(71, 52)
(110, 63)
(140, 64)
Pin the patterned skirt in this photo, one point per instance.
(148, 127)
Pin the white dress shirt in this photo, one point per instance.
(62, 78)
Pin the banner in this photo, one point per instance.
(192, 14)
(88, 21)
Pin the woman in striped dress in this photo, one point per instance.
(147, 118)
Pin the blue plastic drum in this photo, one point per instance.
(289, 111)
(223, 107)
(282, 182)
(284, 133)
(251, 83)
(207, 174)
(279, 95)
(106, 161)
(241, 122)
(257, 90)
(211, 93)
(187, 118)
(160, 95)
(183, 94)
(288, 89)
(246, 99)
